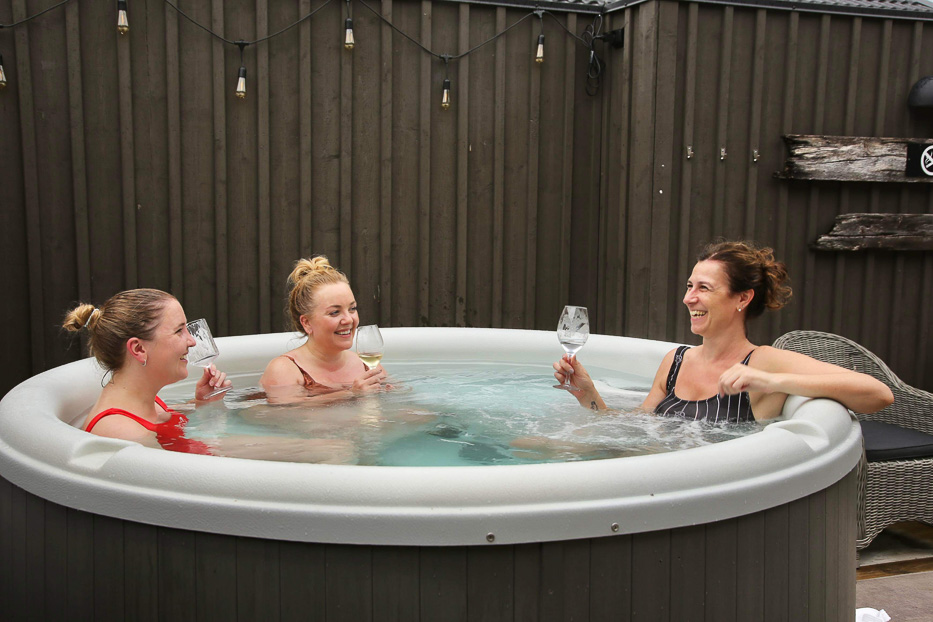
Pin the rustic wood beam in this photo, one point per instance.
(848, 158)
(892, 232)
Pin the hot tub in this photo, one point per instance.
(759, 527)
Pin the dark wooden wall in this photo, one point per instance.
(127, 161)
(712, 77)
(792, 562)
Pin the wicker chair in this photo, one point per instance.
(890, 491)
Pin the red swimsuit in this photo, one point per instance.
(170, 434)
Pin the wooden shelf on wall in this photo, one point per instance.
(892, 232)
(849, 158)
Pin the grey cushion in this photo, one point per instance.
(884, 441)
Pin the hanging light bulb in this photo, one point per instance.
(539, 57)
(241, 84)
(445, 96)
(123, 24)
(348, 41)
(2, 74)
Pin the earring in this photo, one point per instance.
(740, 309)
(144, 362)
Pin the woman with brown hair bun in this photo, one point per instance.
(141, 337)
(321, 306)
(728, 378)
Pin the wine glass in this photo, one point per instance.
(572, 330)
(369, 345)
(204, 351)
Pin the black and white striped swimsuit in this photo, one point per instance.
(731, 408)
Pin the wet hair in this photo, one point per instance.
(306, 278)
(133, 313)
(749, 267)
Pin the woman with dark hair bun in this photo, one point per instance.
(728, 378)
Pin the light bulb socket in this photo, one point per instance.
(445, 96)
(349, 41)
(123, 23)
(539, 56)
(241, 84)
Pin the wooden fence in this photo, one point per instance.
(127, 161)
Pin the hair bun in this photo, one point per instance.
(83, 316)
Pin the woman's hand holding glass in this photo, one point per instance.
(212, 382)
(211, 385)
(573, 329)
(370, 347)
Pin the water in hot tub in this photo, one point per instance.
(446, 414)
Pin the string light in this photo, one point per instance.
(348, 40)
(2, 74)
(123, 24)
(445, 94)
(539, 54)
(241, 78)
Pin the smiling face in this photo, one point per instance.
(332, 321)
(710, 301)
(167, 351)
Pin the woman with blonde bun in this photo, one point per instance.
(321, 306)
(141, 338)
(728, 378)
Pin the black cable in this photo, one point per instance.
(26, 19)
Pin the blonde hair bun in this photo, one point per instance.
(83, 316)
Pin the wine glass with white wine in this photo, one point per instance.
(204, 351)
(573, 328)
(369, 345)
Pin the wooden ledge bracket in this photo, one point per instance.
(890, 232)
(848, 158)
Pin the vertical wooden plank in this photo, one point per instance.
(490, 583)
(257, 579)
(787, 127)
(127, 161)
(263, 153)
(750, 574)
(834, 523)
(684, 263)
(776, 564)
(7, 570)
(346, 162)
(220, 172)
(567, 169)
(498, 208)
(619, 271)
(424, 165)
(80, 566)
(688, 564)
(109, 569)
(396, 575)
(305, 190)
(531, 207)
(662, 186)
(819, 528)
(528, 582)
(721, 573)
(605, 219)
(173, 121)
(34, 568)
(205, 570)
(798, 559)
(810, 299)
(754, 125)
(651, 587)
(840, 306)
(141, 556)
(443, 584)
(56, 561)
(385, 173)
(349, 583)
(183, 593)
(30, 184)
(610, 577)
(463, 128)
(722, 121)
(78, 162)
(302, 580)
(17, 590)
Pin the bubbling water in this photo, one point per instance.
(464, 414)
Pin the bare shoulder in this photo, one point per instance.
(773, 359)
(281, 371)
(117, 426)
